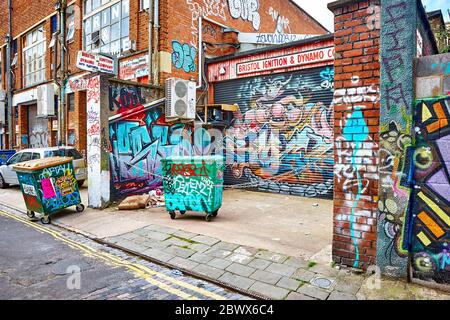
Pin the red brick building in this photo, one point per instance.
(121, 28)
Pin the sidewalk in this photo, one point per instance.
(266, 272)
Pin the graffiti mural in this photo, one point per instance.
(246, 10)
(398, 44)
(282, 23)
(281, 139)
(140, 140)
(183, 56)
(429, 217)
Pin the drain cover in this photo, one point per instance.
(322, 283)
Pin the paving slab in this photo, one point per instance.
(236, 280)
(180, 252)
(217, 253)
(219, 263)
(200, 247)
(313, 292)
(298, 296)
(260, 264)
(245, 250)
(267, 277)
(325, 270)
(205, 240)
(225, 246)
(281, 269)
(209, 271)
(269, 290)
(184, 234)
(240, 269)
(158, 254)
(200, 258)
(160, 228)
(303, 275)
(271, 256)
(176, 242)
(183, 263)
(336, 295)
(288, 283)
(239, 258)
(296, 262)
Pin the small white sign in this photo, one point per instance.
(95, 62)
(272, 38)
(292, 60)
(29, 189)
(135, 68)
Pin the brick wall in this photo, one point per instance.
(356, 111)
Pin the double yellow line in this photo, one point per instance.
(140, 270)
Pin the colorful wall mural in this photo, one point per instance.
(281, 139)
(428, 222)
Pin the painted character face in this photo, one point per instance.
(277, 115)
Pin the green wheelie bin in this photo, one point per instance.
(48, 185)
(193, 184)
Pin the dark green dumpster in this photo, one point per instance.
(193, 184)
(48, 185)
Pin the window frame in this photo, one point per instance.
(100, 45)
(35, 58)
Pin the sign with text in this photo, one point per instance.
(272, 38)
(95, 62)
(292, 60)
(135, 68)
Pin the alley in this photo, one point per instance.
(46, 263)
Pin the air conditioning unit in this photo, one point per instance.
(180, 99)
(45, 101)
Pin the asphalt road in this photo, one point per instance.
(45, 262)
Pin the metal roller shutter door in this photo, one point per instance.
(281, 140)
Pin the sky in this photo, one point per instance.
(318, 9)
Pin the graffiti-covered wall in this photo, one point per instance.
(427, 231)
(281, 138)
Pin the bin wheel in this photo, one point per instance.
(215, 213)
(46, 220)
(208, 217)
(80, 207)
(172, 215)
(30, 214)
(182, 211)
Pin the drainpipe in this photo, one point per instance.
(150, 43)
(200, 53)
(62, 132)
(9, 88)
(156, 42)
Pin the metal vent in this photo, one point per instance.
(181, 89)
(180, 108)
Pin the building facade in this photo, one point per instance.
(122, 29)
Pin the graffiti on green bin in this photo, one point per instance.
(54, 188)
(195, 186)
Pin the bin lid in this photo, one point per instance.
(37, 164)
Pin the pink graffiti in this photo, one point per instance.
(94, 129)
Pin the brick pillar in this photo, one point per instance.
(357, 113)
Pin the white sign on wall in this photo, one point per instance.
(272, 38)
(134, 68)
(2, 106)
(292, 60)
(95, 62)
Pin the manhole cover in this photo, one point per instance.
(322, 283)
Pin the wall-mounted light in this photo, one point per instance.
(222, 71)
(229, 30)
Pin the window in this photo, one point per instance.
(34, 57)
(71, 102)
(15, 158)
(1, 67)
(70, 23)
(106, 27)
(26, 156)
(35, 156)
(145, 4)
